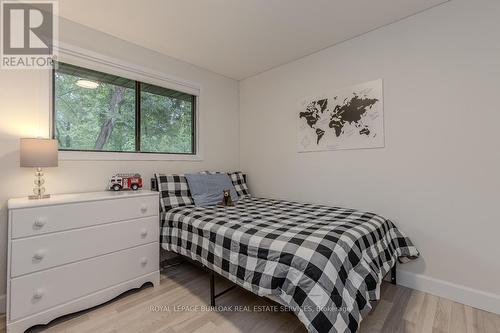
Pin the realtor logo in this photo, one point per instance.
(28, 34)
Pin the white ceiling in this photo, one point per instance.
(238, 38)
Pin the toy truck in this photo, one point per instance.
(125, 181)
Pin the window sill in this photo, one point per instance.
(109, 156)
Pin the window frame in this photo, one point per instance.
(138, 75)
(137, 132)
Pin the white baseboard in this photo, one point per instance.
(458, 293)
(3, 303)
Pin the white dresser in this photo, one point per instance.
(75, 251)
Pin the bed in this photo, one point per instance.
(324, 263)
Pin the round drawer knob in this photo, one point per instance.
(39, 255)
(144, 208)
(144, 261)
(37, 294)
(40, 222)
(144, 232)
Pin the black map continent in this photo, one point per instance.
(351, 111)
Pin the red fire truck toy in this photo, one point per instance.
(125, 181)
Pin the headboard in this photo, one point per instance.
(154, 183)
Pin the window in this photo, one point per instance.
(166, 120)
(95, 111)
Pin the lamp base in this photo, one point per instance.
(39, 190)
(37, 197)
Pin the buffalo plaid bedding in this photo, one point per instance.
(325, 263)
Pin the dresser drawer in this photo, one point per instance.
(41, 252)
(39, 291)
(41, 220)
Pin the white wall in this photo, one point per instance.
(438, 176)
(24, 112)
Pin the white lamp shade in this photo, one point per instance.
(39, 153)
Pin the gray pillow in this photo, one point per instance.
(206, 189)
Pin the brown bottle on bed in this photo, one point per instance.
(226, 199)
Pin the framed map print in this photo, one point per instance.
(350, 118)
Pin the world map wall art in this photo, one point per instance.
(350, 118)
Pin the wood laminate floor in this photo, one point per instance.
(152, 310)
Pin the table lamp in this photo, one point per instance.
(39, 153)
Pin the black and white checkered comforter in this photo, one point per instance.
(326, 263)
